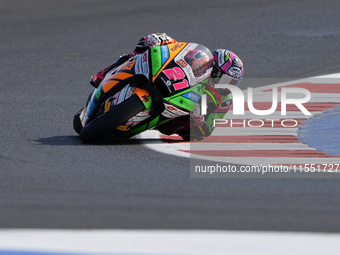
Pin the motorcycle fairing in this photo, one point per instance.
(165, 67)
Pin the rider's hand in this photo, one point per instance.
(165, 38)
(95, 80)
(152, 41)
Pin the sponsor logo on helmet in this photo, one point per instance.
(235, 72)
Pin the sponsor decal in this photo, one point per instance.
(192, 96)
(122, 94)
(145, 98)
(167, 83)
(107, 106)
(138, 65)
(141, 65)
(123, 128)
(145, 65)
(115, 99)
(175, 74)
(235, 72)
(145, 57)
(128, 65)
(169, 114)
(131, 123)
(129, 92)
(182, 63)
(176, 47)
(173, 111)
(140, 117)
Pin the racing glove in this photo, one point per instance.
(152, 40)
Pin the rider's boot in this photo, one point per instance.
(175, 126)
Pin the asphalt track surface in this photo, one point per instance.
(49, 179)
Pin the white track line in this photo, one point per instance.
(268, 160)
(245, 146)
(247, 131)
(169, 242)
(275, 115)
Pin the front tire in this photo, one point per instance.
(108, 122)
(76, 122)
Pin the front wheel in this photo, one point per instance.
(107, 123)
(76, 122)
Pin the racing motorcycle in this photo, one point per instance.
(149, 89)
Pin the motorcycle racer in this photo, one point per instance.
(195, 125)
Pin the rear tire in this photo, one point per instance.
(108, 122)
